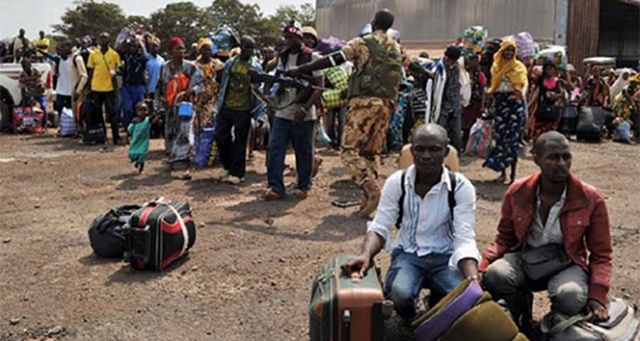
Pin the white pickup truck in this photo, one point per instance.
(10, 94)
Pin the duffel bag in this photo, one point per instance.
(106, 231)
(159, 233)
(466, 313)
(587, 129)
(621, 326)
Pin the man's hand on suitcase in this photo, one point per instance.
(359, 264)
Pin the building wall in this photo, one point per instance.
(620, 31)
(582, 30)
(440, 20)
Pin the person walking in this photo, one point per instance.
(373, 92)
(72, 76)
(103, 64)
(180, 81)
(294, 123)
(508, 83)
(235, 106)
(475, 108)
(546, 104)
(134, 87)
(205, 105)
(153, 67)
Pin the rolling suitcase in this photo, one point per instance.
(346, 308)
(158, 234)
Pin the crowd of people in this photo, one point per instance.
(371, 96)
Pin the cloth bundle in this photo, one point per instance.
(474, 38)
(526, 45)
(224, 40)
(337, 96)
(553, 54)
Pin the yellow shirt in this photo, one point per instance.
(42, 44)
(102, 65)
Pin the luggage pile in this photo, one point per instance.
(150, 237)
(28, 120)
(466, 313)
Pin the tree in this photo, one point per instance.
(305, 14)
(181, 19)
(134, 21)
(244, 19)
(90, 17)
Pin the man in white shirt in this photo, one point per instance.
(72, 76)
(435, 245)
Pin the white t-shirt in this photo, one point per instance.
(290, 94)
(64, 86)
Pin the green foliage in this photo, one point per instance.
(183, 19)
(90, 17)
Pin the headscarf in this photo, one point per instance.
(173, 42)
(620, 83)
(204, 42)
(513, 69)
(312, 32)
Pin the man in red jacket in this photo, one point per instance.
(551, 207)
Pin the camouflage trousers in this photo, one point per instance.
(365, 130)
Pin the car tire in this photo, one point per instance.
(5, 118)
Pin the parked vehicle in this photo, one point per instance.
(10, 94)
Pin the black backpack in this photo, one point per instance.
(451, 196)
(106, 231)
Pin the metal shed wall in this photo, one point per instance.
(440, 20)
(583, 30)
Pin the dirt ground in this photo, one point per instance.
(249, 274)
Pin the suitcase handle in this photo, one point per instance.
(356, 277)
(146, 235)
(346, 325)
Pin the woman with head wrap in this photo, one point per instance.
(205, 104)
(180, 81)
(508, 83)
(546, 102)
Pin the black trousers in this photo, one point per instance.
(108, 99)
(233, 147)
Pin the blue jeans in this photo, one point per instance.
(302, 136)
(408, 274)
(131, 95)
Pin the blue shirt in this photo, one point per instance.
(154, 65)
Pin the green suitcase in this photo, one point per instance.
(347, 308)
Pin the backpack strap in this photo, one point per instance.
(451, 197)
(401, 200)
(452, 193)
(548, 329)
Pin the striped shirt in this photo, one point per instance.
(426, 222)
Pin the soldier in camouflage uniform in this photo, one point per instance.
(373, 91)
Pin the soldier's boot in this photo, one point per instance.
(372, 194)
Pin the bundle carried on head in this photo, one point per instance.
(552, 54)
(224, 40)
(474, 38)
(526, 45)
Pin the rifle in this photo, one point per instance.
(302, 83)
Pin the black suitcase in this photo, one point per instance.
(158, 234)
